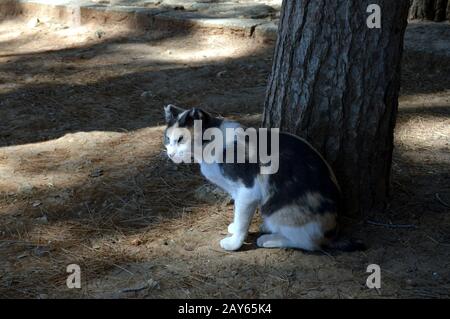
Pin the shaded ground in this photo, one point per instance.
(83, 178)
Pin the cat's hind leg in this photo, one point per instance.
(295, 237)
(306, 237)
(273, 241)
(264, 228)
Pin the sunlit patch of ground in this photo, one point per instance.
(84, 179)
(425, 126)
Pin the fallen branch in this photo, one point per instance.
(441, 201)
(391, 225)
(150, 284)
(126, 290)
(436, 242)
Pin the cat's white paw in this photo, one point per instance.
(232, 228)
(231, 243)
(272, 241)
(261, 241)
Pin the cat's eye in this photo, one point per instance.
(180, 139)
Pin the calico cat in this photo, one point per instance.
(299, 203)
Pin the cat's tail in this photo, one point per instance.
(346, 245)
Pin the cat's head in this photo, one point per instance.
(179, 134)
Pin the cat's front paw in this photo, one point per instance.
(232, 228)
(231, 243)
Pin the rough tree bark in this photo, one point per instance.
(335, 82)
(434, 10)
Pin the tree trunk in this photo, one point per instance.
(434, 10)
(335, 82)
(448, 11)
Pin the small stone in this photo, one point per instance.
(152, 284)
(41, 251)
(96, 173)
(86, 55)
(211, 194)
(99, 33)
(36, 203)
(136, 242)
(146, 95)
(221, 74)
(33, 22)
(26, 189)
(42, 220)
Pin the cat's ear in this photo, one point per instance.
(171, 112)
(198, 114)
(187, 118)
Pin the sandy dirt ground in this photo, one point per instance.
(84, 180)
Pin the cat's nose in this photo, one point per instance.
(171, 155)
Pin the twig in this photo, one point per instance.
(222, 252)
(441, 201)
(391, 225)
(134, 289)
(327, 254)
(435, 241)
(124, 269)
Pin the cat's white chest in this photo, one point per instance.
(213, 173)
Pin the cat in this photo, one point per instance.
(298, 203)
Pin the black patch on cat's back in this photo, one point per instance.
(244, 172)
(302, 170)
